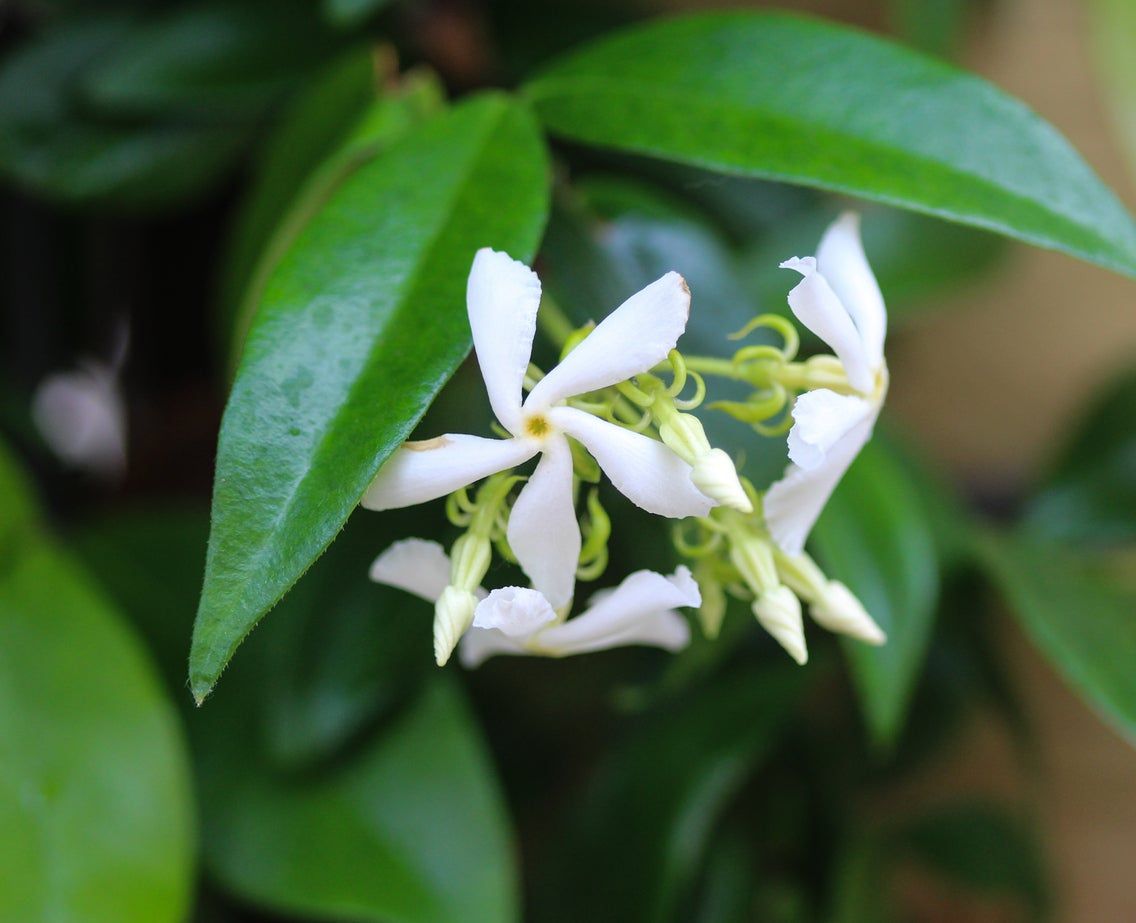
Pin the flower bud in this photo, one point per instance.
(837, 609)
(470, 557)
(715, 475)
(752, 555)
(712, 610)
(683, 434)
(453, 614)
(779, 612)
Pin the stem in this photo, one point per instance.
(553, 322)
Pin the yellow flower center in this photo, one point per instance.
(537, 426)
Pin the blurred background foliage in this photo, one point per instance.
(159, 159)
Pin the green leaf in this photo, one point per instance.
(1090, 497)
(49, 142)
(644, 830)
(96, 823)
(18, 508)
(1076, 614)
(876, 537)
(1114, 34)
(408, 829)
(982, 846)
(325, 140)
(361, 324)
(216, 59)
(802, 101)
(349, 13)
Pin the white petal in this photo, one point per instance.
(793, 504)
(821, 419)
(842, 261)
(415, 565)
(779, 613)
(502, 297)
(82, 417)
(644, 470)
(543, 531)
(635, 337)
(514, 611)
(421, 471)
(479, 644)
(816, 306)
(638, 611)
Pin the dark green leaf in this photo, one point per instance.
(408, 828)
(861, 893)
(96, 823)
(50, 143)
(215, 59)
(981, 846)
(933, 26)
(875, 536)
(1090, 497)
(18, 513)
(1077, 616)
(774, 96)
(347, 13)
(361, 324)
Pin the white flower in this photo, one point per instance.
(518, 620)
(503, 296)
(839, 300)
(82, 417)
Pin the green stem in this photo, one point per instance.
(554, 323)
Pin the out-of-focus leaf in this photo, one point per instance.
(408, 827)
(216, 59)
(361, 324)
(860, 892)
(874, 535)
(933, 26)
(644, 830)
(1075, 614)
(51, 143)
(981, 846)
(96, 823)
(1090, 496)
(348, 13)
(1114, 31)
(299, 178)
(18, 513)
(797, 100)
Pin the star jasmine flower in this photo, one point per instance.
(521, 620)
(502, 298)
(839, 300)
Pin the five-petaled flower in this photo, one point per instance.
(503, 296)
(519, 620)
(839, 300)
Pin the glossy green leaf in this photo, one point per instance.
(51, 143)
(1090, 495)
(96, 823)
(409, 828)
(214, 59)
(1076, 614)
(876, 537)
(979, 845)
(643, 832)
(335, 129)
(361, 324)
(802, 101)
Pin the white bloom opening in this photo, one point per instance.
(519, 620)
(839, 300)
(503, 296)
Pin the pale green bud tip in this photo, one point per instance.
(840, 611)
(715, 475)
(453, 614)
(713, 609)
(779, 613)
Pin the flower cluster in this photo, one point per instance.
(613, 407)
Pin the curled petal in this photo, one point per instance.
(841, 260)
(793, 504)
(421, 471)
(635, 337)
(479, 644)
(639, 611)
(543, 531)
(514, 611)
(414, 565)
(502, 297)
(821, 419)
(779, 613)
(644, 470)
(817, 306)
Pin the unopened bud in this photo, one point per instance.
(715, 475)
(470, 558)
(838, 609)
(453, 614)
(712, 610)
(779, 612)
(752, 555)
(684, 435)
